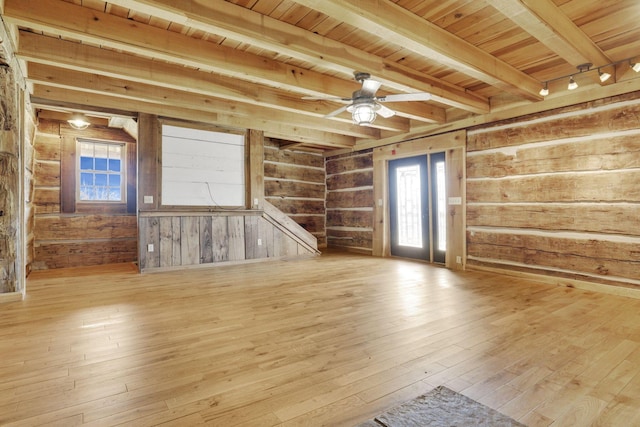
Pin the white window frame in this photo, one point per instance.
(122, 173)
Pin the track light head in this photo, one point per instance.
(572, 84)
(635, 67)
(604, 76)
(545, 89)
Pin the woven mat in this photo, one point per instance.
(442, 407)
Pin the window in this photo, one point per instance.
(101, 175)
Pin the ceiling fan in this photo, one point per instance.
(365, 105)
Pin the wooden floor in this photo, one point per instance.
(331, 340)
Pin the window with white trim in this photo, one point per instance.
(101, 172)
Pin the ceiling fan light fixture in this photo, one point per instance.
(78, 122)
(363, 114)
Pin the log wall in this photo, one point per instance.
(557, 193)
(294, 182)
(350, 201)
(9, 182)
(73, 239)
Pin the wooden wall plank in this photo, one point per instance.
(605, 218)
(352, 198)
(251, 237)
(589, 154)
(47, 174)
(220, 237)
(283, 171)
(557, 125)
(587, 255)
(298, 206)
(166, 242)
(190, 240)
(236, 238)
(349, 218)
(281, 188)
(55, 227)
(206, 239)
(65, 254)
(350, 180)
(617, 186)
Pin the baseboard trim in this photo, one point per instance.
(11, 297)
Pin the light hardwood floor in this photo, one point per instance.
(332, 340)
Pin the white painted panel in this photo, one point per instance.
(202, 168)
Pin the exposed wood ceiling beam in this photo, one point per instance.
(127, 90)
(108, 30)
(244, 25)
(546, 22)
(55, 96)
(402, 27)
(51, 51)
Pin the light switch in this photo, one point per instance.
(148, 199)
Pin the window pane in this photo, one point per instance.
(115, 194)
(101, 164)
(86, 163)
(114, 165)
(101, 179)
(114, 181)
(86, 179)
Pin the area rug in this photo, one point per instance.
(442, 407)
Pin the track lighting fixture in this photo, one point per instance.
(545, 89)
(604, 76)
(584, 68)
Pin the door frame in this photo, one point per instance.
(454, 146)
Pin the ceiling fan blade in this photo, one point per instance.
(370, 87)
(420, 96)
(385, 112)
(326, 98)
(338, 111)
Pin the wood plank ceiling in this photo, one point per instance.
(248, 63)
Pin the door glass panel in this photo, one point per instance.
(441, 197)
(409, 206)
